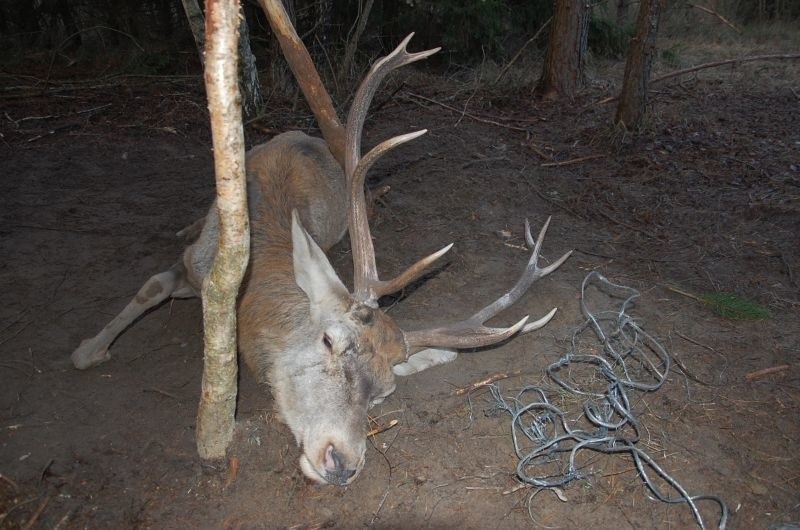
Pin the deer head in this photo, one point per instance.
(343, 365)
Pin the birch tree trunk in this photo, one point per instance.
(249, 83)
(562, 74)
(633, 98)
(215, 415)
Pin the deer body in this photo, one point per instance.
(327, 353)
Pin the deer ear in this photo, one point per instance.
(313, 272)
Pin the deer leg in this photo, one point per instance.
(423, 360)
(158, 288)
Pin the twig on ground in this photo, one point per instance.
(380, 429)
(689, 374)
(689, 339)
(45, 469)
(516, 55)
(467, 114)
(788, 269)
(9, 481)
(162, 392)
(480, 160)
(380, 505)
(752, 376)
(572, 161)
(64, 518)
(515, 489)
(35, 517)
(233, 472)
(626, 225)
(554, 203)
(489, 380)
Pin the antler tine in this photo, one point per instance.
(367, 285)
(363, 98)
(471, 333)
(465, 334)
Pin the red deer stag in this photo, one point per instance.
(327, 354)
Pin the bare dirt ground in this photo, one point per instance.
(98, 177)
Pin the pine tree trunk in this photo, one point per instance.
(562, 74)
(215, 415)
(633, 98)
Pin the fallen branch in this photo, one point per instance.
(752, 376)
(715, 14)
(516, 55)
(715, 64)
(773, 57)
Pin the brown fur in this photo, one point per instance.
(293, 171)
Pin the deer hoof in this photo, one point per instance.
(87, 355)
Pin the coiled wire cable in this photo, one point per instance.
(547, 443)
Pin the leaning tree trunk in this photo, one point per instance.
(215, 416)
(249, 84)
(633, 98)
(307, 77)
(562, 74)
(197, 24)
(352, 41)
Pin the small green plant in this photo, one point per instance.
(607, 39)
(728, 305)
(671, 56)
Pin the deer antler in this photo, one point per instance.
(471, 333)
(368, 287)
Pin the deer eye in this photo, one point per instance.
(326, 340)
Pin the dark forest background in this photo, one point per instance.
(152, 36)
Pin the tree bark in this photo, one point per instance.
(352, 42)
(633, 98)
(307, 77)
(562, 74)
(249, 83)
(197, 24)
(215, 415)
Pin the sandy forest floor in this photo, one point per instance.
(97, 177)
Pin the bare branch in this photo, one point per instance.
(307, 77)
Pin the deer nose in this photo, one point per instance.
(335, 470)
